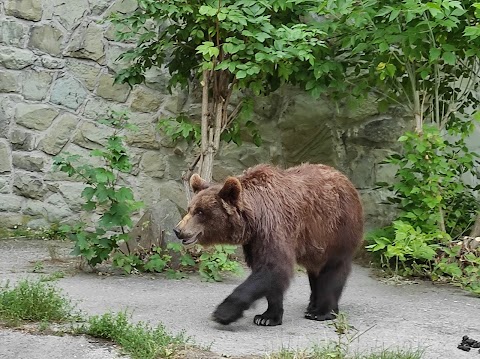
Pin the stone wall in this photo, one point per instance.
(57, 66)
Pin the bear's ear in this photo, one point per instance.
(197, 183)
(231, 190)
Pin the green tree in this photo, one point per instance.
(422, 56)
(249, 46)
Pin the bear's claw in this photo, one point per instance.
(267, 322)
(320, 317)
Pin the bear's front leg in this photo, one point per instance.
(259, 284)
(230, 310)
(274, 313)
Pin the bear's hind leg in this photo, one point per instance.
(312, 279)
(274, 313)
(329, 286)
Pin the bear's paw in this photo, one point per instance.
(267, 321)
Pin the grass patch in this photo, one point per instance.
(33, 302)
(140, 341)
(329, 352)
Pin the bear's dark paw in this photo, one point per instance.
(320, 317)
(228, 312)
(267, 321)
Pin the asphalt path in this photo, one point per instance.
(388, 315)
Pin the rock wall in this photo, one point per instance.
(57, 66)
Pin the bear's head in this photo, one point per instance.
(215, 214)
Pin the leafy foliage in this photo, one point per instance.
(259, 44)
(213, 262)
(422, 56)
(431, 191)
(415, 51)
(247, 46)
(103, 194)
(436, 204)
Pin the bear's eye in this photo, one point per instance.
(199, 212)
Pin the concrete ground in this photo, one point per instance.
(414, 315)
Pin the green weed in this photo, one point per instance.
(34, 302)
(140, 341)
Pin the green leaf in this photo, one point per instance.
(449, 58)
(434, 54)
(241, 74)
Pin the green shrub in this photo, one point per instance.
(436, 205)
(33, 301)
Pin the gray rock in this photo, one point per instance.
(85, 72)
(53, 209)
(53, 63)
(152, 190)
(155, 229)
(22, 140)
(9, 81)
(47, 38)
(153, 164)
(157, 79)
(96, 108)
(145, 100)
(122, 6)
(59, 133)
(11, 220)
(12, 33)
(24, 9)
(35, 116)
(112, 56)
(87, 43)
(28, 162)
(29, 186)
(10, 203)
(107, 89)
(70, 12)
(99, 6)
(378, 213)
(71, 192)
(146, 135)
(36, 84)
(172, 104)
(7, 112)
(5, 184)
(5, 157)
(69, 92)
(359, 110)
(92, 135)
(380, 131)
(16, 59)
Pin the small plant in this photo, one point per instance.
(53, 276)
(38, 267)
(214, 261)
(34, 302)
(431, 191)
(340, 348)
(435, 205)
(103, 194)
(139, 341)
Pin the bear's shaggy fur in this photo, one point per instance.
(309, 214)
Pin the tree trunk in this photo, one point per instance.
(476, 227)
(211, 128)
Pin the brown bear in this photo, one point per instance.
(310, 214)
